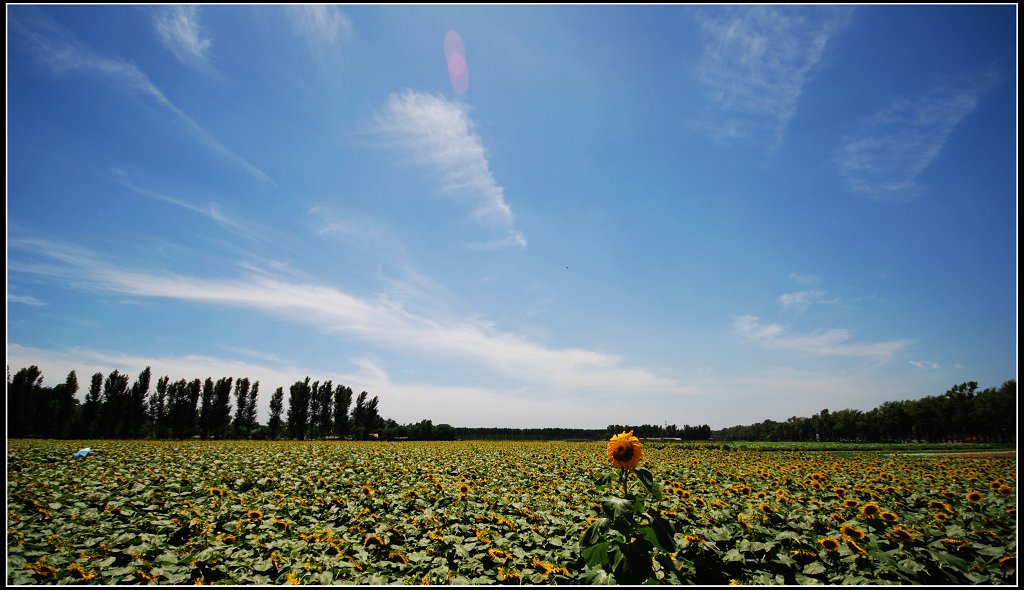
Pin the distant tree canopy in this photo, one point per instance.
(961, 414)
(647, 431)
(115, 407)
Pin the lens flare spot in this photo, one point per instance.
(453, 44)
(455, 55)
(458, 73)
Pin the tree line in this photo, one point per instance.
(643, 431)
(962, 413)
(116, 407)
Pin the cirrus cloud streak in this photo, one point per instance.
(834, 342)
(380, 321)
(439, 133)
(891, 148)
(60, 53)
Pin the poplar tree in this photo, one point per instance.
(241, 400)
(113, 410)
(158, 417)
(313, 428)
(276, 407)
(324, 417)
(206, 409)
(221, 421)
(298, 409)
(249, 418)
(342, 401)
(92, 406)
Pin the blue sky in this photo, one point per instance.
(594, 215)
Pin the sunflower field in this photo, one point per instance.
(247, 512)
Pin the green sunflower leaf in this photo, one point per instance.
(596, 554)
(606, 479)
(597, 576)
(617, 508)
(647, 479)
(814, 568)
(664, 532)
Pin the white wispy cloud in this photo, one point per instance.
(721, 400)
(889, 150)
(61, 53)
(55, 364)
(777, 393)
(514, 238)
(323, 26)
(258, 354)
(358, 231)
(403, 401)
(439, 134)
(25, 300)
(925, 364)
(380, 245)
(755, 63)
(181, 33)
(800, 299)
(380, 320)
(804, 279)
(834, 342)
(211, 211)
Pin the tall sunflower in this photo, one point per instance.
(625, 450)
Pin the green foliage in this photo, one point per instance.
(276, 407)
(621, 546)
(116, 408)
(960, 414)
(279, 512)
(298, 409)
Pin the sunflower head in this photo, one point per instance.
(543, 567)
(508, 575)
(901, 534)
(852, 532)
(855, 547)
(80, 572)
(625, 450)
(498, 554)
